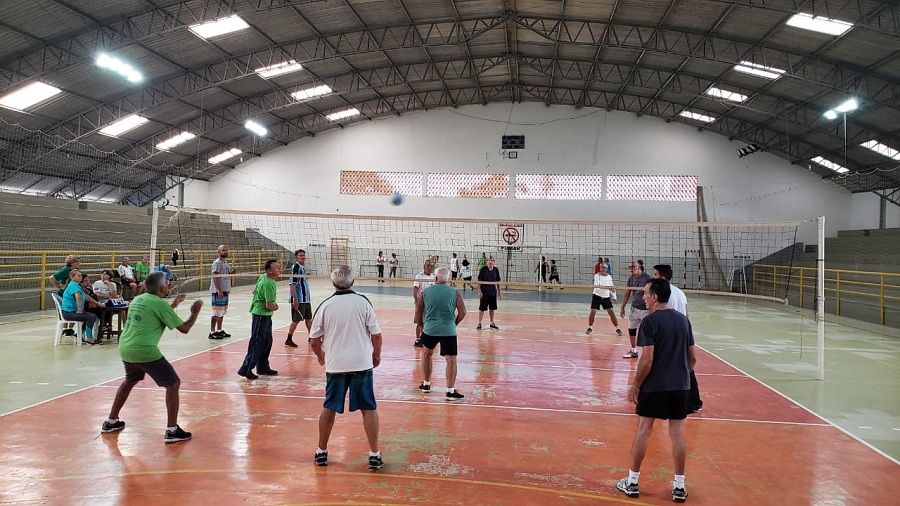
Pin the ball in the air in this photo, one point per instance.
(397, 199)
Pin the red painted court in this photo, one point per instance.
(544, 421)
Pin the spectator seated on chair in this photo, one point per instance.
(142, 270)
(170, 276)
(104, 287)
(74, 301)
(128, 280)
(93, 306)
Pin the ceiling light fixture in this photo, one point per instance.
(116, 65)
(256, 128)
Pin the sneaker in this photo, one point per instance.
(425, 388)
(619, 332)
(679, 494)
(630, 489)
(214, 335)
(223, 333)
(589, 331)
(174, 436)
(375, 462)
(697, 409)
(478, 327)
(112, 427)
(322, 459)
(69, 332)
(630, 354)
(290, 342)
(494, 326)
(247, 374)
(454, 396)
(270, 372)
(418, 343)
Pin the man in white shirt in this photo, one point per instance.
(423, 280)
(678, 302)
(346, 339)
(126, 275)
(454, 270)
(602, 297)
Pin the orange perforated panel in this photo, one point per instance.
(381, 183)
(559, 186)
(657, 188)
(468, 186)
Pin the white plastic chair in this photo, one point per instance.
(60, 321)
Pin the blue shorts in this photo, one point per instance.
(219, 301)
(361, 387)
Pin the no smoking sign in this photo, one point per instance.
(511, 233)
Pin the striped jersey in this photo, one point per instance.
(299, 286)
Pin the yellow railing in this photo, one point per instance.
(26, 271)
(840, 285)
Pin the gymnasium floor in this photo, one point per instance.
(544, 420)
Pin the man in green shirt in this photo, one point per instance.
(142, 269)
(261, 308)
(441, 307)
(148, 317)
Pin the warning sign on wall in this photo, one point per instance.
(512, 233)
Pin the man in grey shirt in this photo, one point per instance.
(219, 288)
(636, 282)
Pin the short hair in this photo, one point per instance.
(429, 262)
(664, 270)
(442, 275)
(107, 272)
(660, 287)
(72, 273)
(155, 281)
(342, 277)
(269, 263)
(299, 251)
(126, 258)
(71, 259)
(552, 261)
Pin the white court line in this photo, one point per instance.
(801, 406)
(483, 406)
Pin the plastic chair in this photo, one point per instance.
(60, 321)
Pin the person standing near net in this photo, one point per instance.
(661, 386)
(482, 261)
(542, 266)
(393, 262)
(466, 273)
(220, 288)
(380, 260)
(423, 280)
(488, 294)
(347, 340)
(175, 257)
(602, 297)
(261, 308)
(554, 274)
(148, 317)
(441, 307)
(678, 302)
(636, 281)
(299, 298)
(454, 270)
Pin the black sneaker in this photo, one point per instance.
(214, 335)
(247, 374)
(679, 494)
(290, 342)
(112, 427)
(223, 333)
(174, 436)
(270, 372)
(425, 388)
(630, 489)
(418, 343)
(454, 396)
(619, 332)
(494, 326)
(69, 332)
(375, 462)
(696, 409)
(478, 327)
(322, 459)
(589, 331)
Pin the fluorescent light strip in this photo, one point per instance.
(221, 157)
(830, 165)
(116, 65)
(882, 149)
(697, 116)
(123, 125)
(278, 69)
(255, 127)
(219, 27)
(28, 96)
(174, 141)
(725, 94)
(759, 70)
(311, 92)
(346, 113)
(819, 24)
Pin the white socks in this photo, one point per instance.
(633, 476)
(679, 481)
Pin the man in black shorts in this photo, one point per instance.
(661, 387)
(440, 308)
(489, 294)
(148, 316)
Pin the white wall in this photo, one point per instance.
(865, 212)
(304, 176)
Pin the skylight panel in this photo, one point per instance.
(255, 127)
(819, 24)
(278, 69)
(725, 94)
(830, 165)
(697, 116)
(759, 70)
(221, 157)
(882, 149)
(311, 92)
(28, 96)
(219, 27)
(174, 141)
(346, 113)
(123, 125)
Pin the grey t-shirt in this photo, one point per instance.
(670, 334)
(637, 296)
(220, 267)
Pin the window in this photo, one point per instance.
(656, 188)
(559, 186)
(381, 183)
